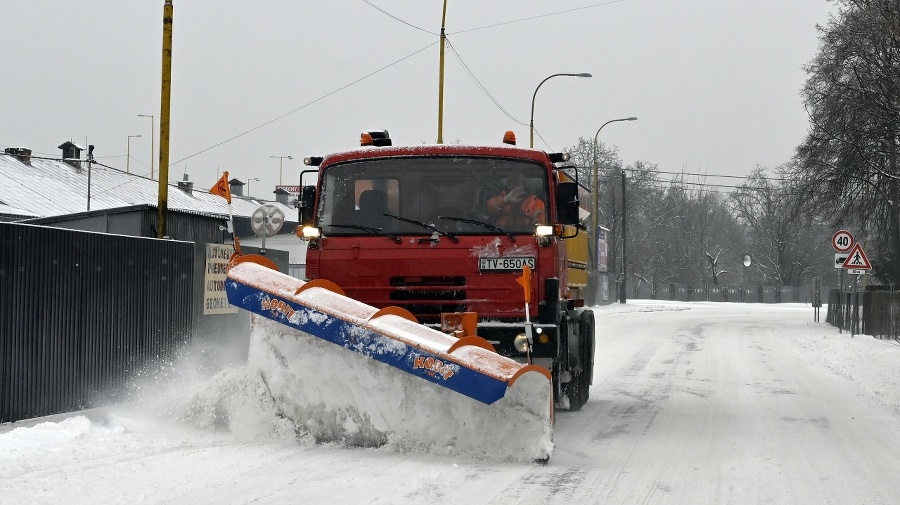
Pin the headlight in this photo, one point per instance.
(521, 342)
(311, 233)
(543, 230)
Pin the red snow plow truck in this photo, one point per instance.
(463, 266)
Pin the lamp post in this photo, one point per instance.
(596, 192)
(248, 185)
(128, 154)
(623, 295)
(281, 168)
(152, 143)
(531, 123)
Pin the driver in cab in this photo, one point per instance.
(515, 205)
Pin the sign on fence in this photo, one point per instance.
(215, 300)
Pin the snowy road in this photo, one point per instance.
(717, 406)
(702, 403)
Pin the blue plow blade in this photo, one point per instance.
(391, 336)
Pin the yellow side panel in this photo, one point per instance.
(577, 258)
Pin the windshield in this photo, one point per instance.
(457, 195)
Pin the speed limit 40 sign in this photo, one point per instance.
(842, 241)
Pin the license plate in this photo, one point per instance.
(505, 263)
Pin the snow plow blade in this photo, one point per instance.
(346, 371)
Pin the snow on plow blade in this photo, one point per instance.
(391, 379)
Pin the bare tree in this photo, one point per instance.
(849, 160)
(785, 236)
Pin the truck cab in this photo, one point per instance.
(445, 229)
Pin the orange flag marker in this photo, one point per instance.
(222, 188)
(525, 281)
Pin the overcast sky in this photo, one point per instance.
(715, 83)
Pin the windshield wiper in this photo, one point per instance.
(489, 226)
(369, 229)
(453, 238)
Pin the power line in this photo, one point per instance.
(539, 16)
(396, 62)
(708, 185)
(491, 97)
(388, 14)
(483, 89)
(722, 175)
(503, 23)
(304, 105)
(699, 174)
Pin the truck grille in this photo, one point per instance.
(431, 312)
(428, 294)
(428, 281)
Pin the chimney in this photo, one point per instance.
(282, 196)
(237, 187)
(23, 154)
(71, 153)
(186, 185)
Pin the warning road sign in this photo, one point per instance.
(856, 258)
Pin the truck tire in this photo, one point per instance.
(573, 391)
(586, 338)
(578, 389)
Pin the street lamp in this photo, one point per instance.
(128, 154)
(152, 143)
(281, 168)
(248, 185)
(596, 192)
(531, 124)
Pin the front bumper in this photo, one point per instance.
(502, 334)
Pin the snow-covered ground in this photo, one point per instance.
(691, 403)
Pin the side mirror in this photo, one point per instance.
(305, 204)
(567, 203)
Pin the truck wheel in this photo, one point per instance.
(586, 337)
(573, 391)
(584, 387)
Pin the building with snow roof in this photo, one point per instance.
(75, 193)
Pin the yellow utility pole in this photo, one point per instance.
(164, 108)
(440, 136)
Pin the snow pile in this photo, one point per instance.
(49, 435)
(234, 401)
(206, 390)
(337, 395)
(872, 363)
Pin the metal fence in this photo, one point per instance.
(874, 312)
(80, 313)
(714, 293)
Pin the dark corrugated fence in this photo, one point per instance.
(875, 311)
(80, 313)
(881, 317)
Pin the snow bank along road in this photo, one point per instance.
(691, 403)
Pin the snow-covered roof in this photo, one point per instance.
(6, 210)
(46, 188)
